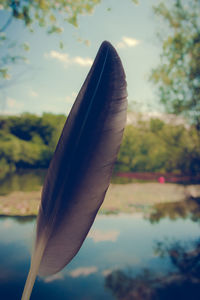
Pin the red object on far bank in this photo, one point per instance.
(161, 179)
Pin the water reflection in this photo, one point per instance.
(184, 256)
(28, 180)
(83, 271)
(24, 180)
(121, 258)
(24, 219)
(126, 287)
(182, 283)
(189, 208)
(102, 236)
(54, 277)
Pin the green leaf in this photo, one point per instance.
(73, 20)
(26, 46)
(61, 45)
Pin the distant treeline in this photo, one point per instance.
(28, 141)
(154, 146)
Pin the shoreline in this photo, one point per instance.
(120, 198)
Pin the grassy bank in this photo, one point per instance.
(126, 198)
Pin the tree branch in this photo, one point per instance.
(7, 23)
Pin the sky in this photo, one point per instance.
(51, 79)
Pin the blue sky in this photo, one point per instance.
(53, 77)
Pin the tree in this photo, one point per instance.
(178, 75)
(28, 141)
(44, 13)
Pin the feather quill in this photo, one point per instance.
(80, 170)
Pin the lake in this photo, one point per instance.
(122, 255)
(153, 253)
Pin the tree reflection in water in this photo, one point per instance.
(124, 287)
(183, 283)
(26, 180)
(189, 208)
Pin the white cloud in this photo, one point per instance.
(12, 106)
(71, 98)
(63, 57)
(54, 277)
(85, 271)
(74, 95)
(11, 102)
(33, 93)
(68, 99)
(106, 272)
(102, 236)
(121, 45)
(130, 41)
(83, 61)
(127, 42)
(66, 59)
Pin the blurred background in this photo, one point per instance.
(145, 242)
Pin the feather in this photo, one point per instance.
(80, 170)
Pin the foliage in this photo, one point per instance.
(186, 209)
(178, 75)
(14, 54)
(155, 146)
(44, 13)
(28, 141)
(182, 281)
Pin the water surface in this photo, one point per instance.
(123, 257)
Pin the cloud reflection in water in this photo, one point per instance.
(103, 236)
(83, 271)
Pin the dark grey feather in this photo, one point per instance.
(80, 170)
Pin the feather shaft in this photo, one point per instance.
(35, 263)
